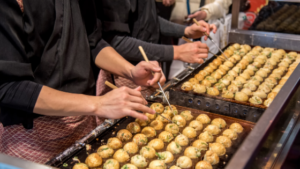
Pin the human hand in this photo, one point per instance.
(168, 2)
(194, 31)
(142, 74)
(122, 102)
(191, 52)
(199, 15)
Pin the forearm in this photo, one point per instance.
(128, 48)
(113, 62)
(171, 29)
(52, 102)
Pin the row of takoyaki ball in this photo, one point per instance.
(154, 149)
(249, 74)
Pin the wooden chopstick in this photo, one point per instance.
(110, 85)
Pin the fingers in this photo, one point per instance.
(140, 107)
(213, 27)
(201, 45)
(206, 25)
(162, 80)
(135, 114)
(154, 67)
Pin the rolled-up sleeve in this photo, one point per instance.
(17, 89)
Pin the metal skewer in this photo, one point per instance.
(196, 22)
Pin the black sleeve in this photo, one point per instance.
(171, 29)
(128, 48)
(17, 89)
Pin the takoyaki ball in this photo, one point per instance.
(195, 124)
(236, 57)
(208, 69)
(114, 143)
(111, 164)
(232, 60)
(287, 60)
(276, 56)
(236, 127)
(244, 62)
(121, 156)
(157, 107)
(211, 79)
(249, 58)
(231, 48)
(242, 51)
(198, 88)
(220, 86)
(255, 82)
(236, 46)
(199, 77)
(268, 66)
(156, 143)
(255, 100)
(216, 75)
(192, 152)
(228, 53)
(187, 115)
(142, 123)
(140, 139)
(131, 148)
(233, 88)
(157, 164)
(206, 136)
(228, 64)
(182, 140)
(262, 73)
(166, 136)
(232, 73)
(219, 122)
(93, 160)
(129, 166)
(179, 120)
(203, 72)
(139, 161)
(271, 80)
(189, 132)
(157, 124)
(212, 129)
(211, 157)
(250, 86)
(230, 134)
(249, 72)
(258, 78)
(163, 119)
(203, 118)
(148, 152)
(150, 116)
(166, 156)
(224, 67)
(272, 95)
(292, 54)
(221, 71)
(237, 83)
(268, 102)
(266, 52)
(245, 75)
(280, 51)
(284, 64)
(241, 79)
(105, 151)
(172, 128)
(218, 148)
(225, 141)
(241, 65)
(246, 91)
(167, 108)
(240, 96)
(206, 83)
(247, 47)
(184, 162)
(175, 167)
(226, 82)
(80, 166)
(203, 165)
(193, 81)
(133, 127)
(282, 81)
(124, 135)
(213, 91)
(260, 94)
(282, 68)
(229, 77)
(251, 67)
(238, 70)
(227, 94)
(275, 76)
(256, 64)
(149, 132)
(187, 86)
(217, 62)
(276, 90)
(258, 48)
(265, 88)
(200, 144)
(174, 148)
(213, 66)
(278, 71)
